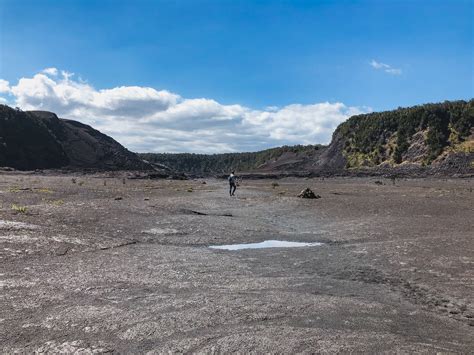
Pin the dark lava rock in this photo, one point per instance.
(308, 193)
(31, 140)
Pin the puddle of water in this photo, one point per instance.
(158, 231)
(265, 244)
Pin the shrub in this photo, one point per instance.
(57, 202)
(18, 208)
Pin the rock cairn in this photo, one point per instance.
(308, 193)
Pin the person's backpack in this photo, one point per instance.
(232, 179)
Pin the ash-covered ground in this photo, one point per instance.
(93, 264)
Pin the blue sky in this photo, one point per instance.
(366, 55)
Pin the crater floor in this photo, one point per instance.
(93, 264)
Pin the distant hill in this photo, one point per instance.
(40, 140)
(286, 158)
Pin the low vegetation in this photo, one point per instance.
(19, 209)
(44, 190)
(222, 163)
(57, 202)
(374, 138)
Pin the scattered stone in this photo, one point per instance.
(378, 182)
(12, 225)
(146, 199)
(207, 214)
(118, 198)
(130, 242)
(61, 251)
(308, 193)
(197, 212)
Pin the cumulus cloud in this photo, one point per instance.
(51, 71)
(148, 120)
(4, 86)
(385, 67)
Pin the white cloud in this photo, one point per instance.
(394, 71)
(378, 65)
(301, 123)
(146, 119)
(4, 86)
(51, 71)
(385, 67)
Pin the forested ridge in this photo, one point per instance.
(392, 136)
(223, 163)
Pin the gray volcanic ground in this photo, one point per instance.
(98, 265)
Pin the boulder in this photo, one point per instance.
(308, 193)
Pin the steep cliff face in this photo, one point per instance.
(40, 140)
(427, 136)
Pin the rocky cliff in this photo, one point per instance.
(430, 136)
(40, 140)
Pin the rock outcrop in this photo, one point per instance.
(423, 137)
(32, 140)
(308, 193)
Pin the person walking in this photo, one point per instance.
(232, 183)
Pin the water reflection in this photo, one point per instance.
(265, 244)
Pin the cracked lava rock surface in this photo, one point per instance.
(85, 271)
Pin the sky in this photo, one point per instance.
(211, 76)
